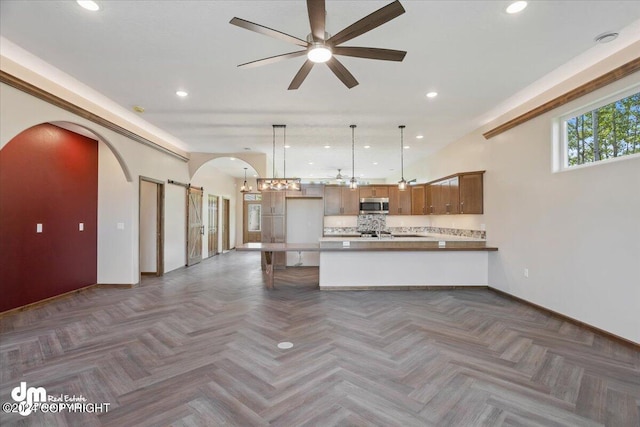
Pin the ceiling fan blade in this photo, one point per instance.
(301, 75)
(371, 53)
(317, 17)
(267, 31)
(369, 22)
(272, 59)
(342, 73)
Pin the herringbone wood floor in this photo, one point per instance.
(198, 347)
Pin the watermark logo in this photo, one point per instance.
(27, 397)
(33, 399)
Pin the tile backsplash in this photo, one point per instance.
(375, 222)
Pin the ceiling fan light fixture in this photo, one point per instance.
(319, 52)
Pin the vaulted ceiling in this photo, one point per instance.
(475, 55)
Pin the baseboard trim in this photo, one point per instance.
(566, 318)
(403, 288)
(118, 285)
(46, 300)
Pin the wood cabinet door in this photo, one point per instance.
(453, 196)
(366, 191)
(399, 201)
(471, 194)
(439, 199)
(332, 200)
(428, 197)
(350, 201)
(418, 200)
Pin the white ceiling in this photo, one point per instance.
(472, 53)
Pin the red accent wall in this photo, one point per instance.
(48, 175)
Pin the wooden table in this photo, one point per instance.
(270, 248)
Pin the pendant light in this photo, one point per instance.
(274, 183)
(402, 184)
(353, 184)
(245, 188)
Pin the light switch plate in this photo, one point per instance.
(38, 228)
(81, 226)
(121, 226)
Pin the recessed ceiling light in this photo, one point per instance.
(406, 147)
(232, 158)
(181, 93)
(255, 175)
(287, 146)
(327, 146)
(89, 5)
(606, 37)
(375, 163)
(367, 146)
(138, 109)
(310, 163)
(419, 136)
(432, 94)
(516, 6)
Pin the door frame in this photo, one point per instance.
(159, 224)
(226, 222)
(215, 220)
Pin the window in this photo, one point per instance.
(605, 132)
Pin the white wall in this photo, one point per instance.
(577, 232)
(304, 225)
(117, 197)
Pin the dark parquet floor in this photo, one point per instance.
(198, 347)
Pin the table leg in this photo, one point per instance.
(268, 257)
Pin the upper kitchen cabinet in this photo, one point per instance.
(399, 201)
(308, 190)
(471, 193)
(340, 200)
(418, 199)
(273, 203)
(456, 194)
(368, 191)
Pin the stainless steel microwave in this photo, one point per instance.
(378, 205)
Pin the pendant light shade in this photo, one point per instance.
(402, 184)
(353, 184)
(274, 183)
(245, 188)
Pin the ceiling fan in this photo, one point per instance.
(321, 47)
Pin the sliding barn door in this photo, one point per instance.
(195, 228)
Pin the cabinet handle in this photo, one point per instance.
(461, 207)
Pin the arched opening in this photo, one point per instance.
(223, 204)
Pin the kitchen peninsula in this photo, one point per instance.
(418, 262)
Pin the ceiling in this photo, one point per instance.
(474, 54)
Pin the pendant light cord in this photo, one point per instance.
(402, 151)
(284, 151)
(353, 151)
(273, 161)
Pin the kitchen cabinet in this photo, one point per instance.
(273, 202)
(308, 190)
(461, 193)
(341, 200)
(374, 191)
(418, 199)
(471, 193)
(444, 197)
(273, 225)
(399, 201)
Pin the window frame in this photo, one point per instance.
(560, 162)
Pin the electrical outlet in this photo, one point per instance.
(526, 272)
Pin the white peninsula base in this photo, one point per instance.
(350, 270)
